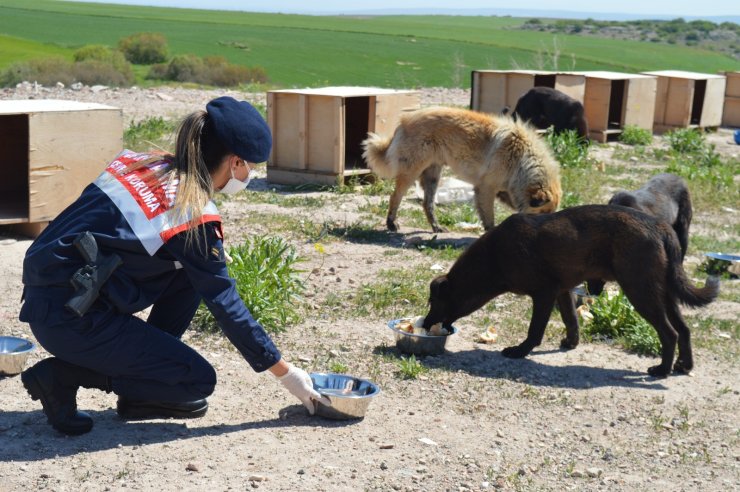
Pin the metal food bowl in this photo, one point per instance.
(349, 396)
(723, 256)
(14, 352)
(410, 343)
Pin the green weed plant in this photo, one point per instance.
(634, 135)
(410, 368)
(569, 148)
(264, 269)
(615, 319)
(693, 158)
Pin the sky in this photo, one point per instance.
(645, 8)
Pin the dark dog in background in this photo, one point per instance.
(544, 256)
(544, 107)
(666, 197)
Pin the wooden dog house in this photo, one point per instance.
(317, 133)
(614, 100)
(688, 99)
(731, 113)
(51, 150)
(493, 90)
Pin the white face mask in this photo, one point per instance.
(234, 185)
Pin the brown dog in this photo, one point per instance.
(498, 156)
(544, 256)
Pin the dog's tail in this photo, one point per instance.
(374, 153)
(680, 285)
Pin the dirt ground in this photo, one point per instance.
(586, 419)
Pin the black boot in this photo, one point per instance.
(55, 383)
(148, 409)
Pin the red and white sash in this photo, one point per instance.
(148, 210)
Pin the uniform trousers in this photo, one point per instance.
(146, 360)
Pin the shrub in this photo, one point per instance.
(98, 64)
(223, 74)
(92, 72)
(45, 71)
(266, 280)
(614, 318)
(634, 135)
(144, 48)
(211, 70)
(93, 64)
(184, 68)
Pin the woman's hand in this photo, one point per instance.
(298, 383)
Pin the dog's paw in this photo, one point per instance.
(392, 225)
(682, 367)
(658, 371)
(567, 344)
(516, 352)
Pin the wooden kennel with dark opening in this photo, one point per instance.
(493, 90)
(614, 100)
(51, 150)
(688, 100)
(731, 111)
(317, 133)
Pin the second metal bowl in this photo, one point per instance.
(410, 343)
(14, 352)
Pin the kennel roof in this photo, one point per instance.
(345, 91)
(612, 75)
(681, 74)
(21, 106)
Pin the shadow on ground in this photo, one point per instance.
(26, 436)
(533, 370)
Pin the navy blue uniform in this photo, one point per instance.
(145, 359)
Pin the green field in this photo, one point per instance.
(296, 50)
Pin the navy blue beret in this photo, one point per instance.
(241, 128)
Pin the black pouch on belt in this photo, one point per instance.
(88, 280)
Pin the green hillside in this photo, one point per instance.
(295, 50)
(17, 49)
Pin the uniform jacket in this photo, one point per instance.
(129, 218)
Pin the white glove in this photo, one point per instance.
(298, 382)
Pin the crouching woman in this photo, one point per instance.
(145, 234)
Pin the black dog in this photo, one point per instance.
(666, 197)
(544, 256)
(544, 107)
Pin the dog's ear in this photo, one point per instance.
(538, 197)
(438, 288)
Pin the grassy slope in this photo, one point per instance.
(394, 51)
(16, 49)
